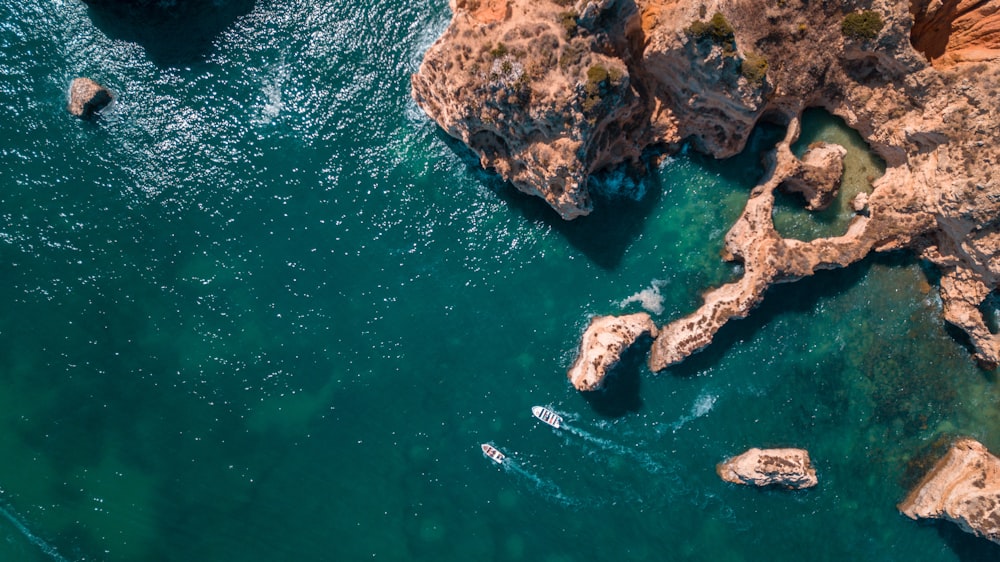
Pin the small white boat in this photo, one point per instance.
(547, 416)
(493, 453)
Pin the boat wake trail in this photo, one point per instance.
(702, 405)
(546, 487)
(45, 547)
(644, 459)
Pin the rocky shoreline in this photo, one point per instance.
(548, 93)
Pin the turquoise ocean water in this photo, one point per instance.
(265, 310)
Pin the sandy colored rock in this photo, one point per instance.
(787, 468)
(860, 202)
(483, 11)
(552, 94)
(87, 97)
(964, 488)
(604, 341)
(818, 175)
(767, 258)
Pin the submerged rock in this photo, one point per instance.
(788, 468)
(964, 488)
(604, 341)
(87, 97)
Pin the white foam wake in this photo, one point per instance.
(643, 458)
(34, 539)
(650, 298)
(702, 405)
(544, 486)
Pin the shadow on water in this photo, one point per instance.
(620, 395)
(172, 36)
(967, 547)
(603, 236)
(960, 337)
(800, 296)
(747, 167)
(616, 221)
(990, 309)
(606, 233)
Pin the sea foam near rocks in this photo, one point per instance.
(650, 298)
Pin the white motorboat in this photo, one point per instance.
(547, 416)
(493, 453)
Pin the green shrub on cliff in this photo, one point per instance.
(862, 25)
(498, 51)
(596, 75)
(568, 22)
(754, 68)
(597, 81)
(717, 28)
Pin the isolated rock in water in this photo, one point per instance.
(604, 341)
(87, 97)
(964, 488)
(789, 468)
(818, 175)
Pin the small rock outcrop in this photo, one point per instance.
(787, 468)
(604, 341)
(964, 488)
(818, 176)
(87, 97)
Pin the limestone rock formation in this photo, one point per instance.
(963, 487)
(605, 339)
(818, 175)
(787, 468)
(87, 97)
(548, 92)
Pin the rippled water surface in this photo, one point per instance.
(264, 310)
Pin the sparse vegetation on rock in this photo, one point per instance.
(568, 21)
(754, 68)
(598, 81)
(717, 28)
(499, 51)
(862, 25)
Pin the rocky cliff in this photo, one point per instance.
(964, 488)
(548, 92)
(954, 31)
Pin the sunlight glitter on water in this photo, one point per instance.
(264, 309)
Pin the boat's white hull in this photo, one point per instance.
(547, 416)
(493, 453)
